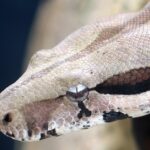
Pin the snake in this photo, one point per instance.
(98, 74)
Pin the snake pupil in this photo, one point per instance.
(77, 93)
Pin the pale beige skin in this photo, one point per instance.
(36, 106)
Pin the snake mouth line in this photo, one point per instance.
(135, 81)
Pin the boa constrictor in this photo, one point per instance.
(99, 74)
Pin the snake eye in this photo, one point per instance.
(77, 93)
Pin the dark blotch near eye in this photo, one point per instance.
(83, 111)
(113, 116)
(80, 115)
(7, 118)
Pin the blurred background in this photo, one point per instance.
(27, 26)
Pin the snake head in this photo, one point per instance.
(99, 74)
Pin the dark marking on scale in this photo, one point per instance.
(113, 116)
(52, 132)
(86, 126)
(83, 111)
(147, 112)
(10, 134)
(43, 136)
(45, 126)
(29, 132)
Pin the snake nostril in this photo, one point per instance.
(7, 118)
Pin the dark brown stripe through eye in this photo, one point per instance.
(132, 82)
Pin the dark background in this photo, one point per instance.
(16, 17)
(141, 127)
